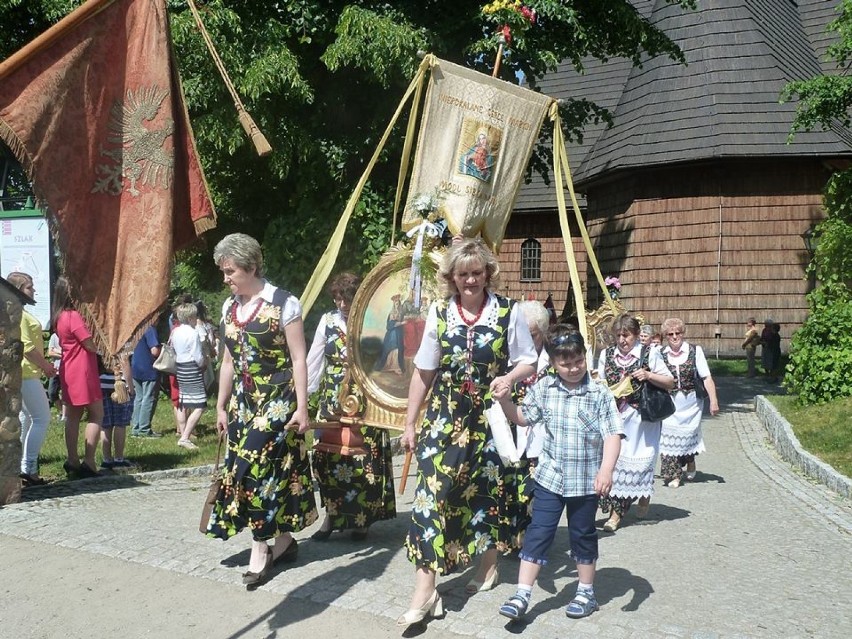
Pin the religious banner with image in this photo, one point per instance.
(475, 141)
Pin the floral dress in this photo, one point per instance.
(266, 479)
(356, 490)
(459, 507)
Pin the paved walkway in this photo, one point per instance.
(750, 549)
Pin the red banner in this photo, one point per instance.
(94, 111)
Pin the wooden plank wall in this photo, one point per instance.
(544, 227)
(711, 245)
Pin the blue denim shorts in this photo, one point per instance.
(547, 511)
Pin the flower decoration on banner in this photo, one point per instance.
(512, 17)
(426, 205)
(613, 286)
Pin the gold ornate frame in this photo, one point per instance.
(362, 399)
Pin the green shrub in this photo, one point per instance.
(820, 366)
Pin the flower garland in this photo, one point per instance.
(509, 15)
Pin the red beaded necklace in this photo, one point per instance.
(468, 386)
(476, 317)
(241, 325)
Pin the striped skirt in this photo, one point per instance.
(190, 381)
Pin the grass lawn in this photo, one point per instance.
(146, 453)
(823, 430)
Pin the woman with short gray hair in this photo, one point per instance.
(263, 407)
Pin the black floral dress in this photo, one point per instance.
(459, 507)
(356, 490)
(266, 479)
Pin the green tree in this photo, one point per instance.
(821, 351)
(322, 79)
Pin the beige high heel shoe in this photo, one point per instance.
(612, 523)
(433, 607)
(473, 586)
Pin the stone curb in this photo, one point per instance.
(788, 446)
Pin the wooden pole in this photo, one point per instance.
(498, 60)
(46, 39)
(406, 466)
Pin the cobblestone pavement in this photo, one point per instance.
(750, 549)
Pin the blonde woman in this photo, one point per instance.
(474, 341)
(681, 440)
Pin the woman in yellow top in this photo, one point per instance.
(35, 409)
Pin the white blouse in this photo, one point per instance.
(187, 346)
(290, 311)
(316, 354)
(519, 340)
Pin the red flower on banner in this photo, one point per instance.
(507, 34)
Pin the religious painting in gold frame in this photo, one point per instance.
(383, 334)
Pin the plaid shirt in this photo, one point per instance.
(574, 424)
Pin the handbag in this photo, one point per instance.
(166, 361)
(340, 439)
(700, 388)
(212, 492)
(655, 403)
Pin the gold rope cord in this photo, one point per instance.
(260, 142)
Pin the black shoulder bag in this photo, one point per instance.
(655, 403)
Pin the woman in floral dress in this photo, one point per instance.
(356, 490)
(474, 341)
(681, 438)
(634, 472)
(263, 407)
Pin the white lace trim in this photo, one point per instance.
(488, 317)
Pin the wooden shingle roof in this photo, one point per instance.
(724, 103)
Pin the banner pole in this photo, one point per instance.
(46, 39)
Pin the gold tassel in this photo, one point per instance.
(119, 393)
(260, 142)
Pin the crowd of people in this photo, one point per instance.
(587, 445)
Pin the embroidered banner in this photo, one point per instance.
(94, 112)
(476, 138)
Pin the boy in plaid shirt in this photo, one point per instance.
(581, 430)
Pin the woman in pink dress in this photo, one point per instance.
(79, 380)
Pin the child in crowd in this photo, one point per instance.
(117, 417)
(581, 430)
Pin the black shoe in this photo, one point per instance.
(71, 471)
(289, 554)
(146, 434)
(359, 534)
(322, 535)
(28, 480)
(107, 465)
(85, 471)
(254, 579)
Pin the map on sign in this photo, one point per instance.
(25, 247)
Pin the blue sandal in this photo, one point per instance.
(582, 605)
(515, 607)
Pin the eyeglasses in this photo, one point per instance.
(674, 333)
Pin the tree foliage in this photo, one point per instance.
(820, 367)
(321, 79)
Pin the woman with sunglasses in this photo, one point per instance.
(681, 440)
